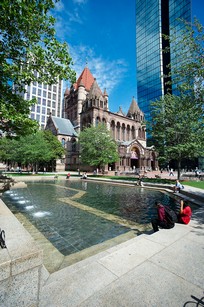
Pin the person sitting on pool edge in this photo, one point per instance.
(185, 214)
(84, 176)
(161, 220)
(178, 186)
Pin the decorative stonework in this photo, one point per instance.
(86, 104)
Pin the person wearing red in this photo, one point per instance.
(68, 176)
(161, 220)
(185, 214)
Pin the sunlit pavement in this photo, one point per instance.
(157, 269)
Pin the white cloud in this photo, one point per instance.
(108, 73)
(74, 16)
(59, 6)
(79, 1)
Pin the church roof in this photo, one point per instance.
(86, 78)
(105, 92)
(95, 90)
(134, 108)
(120, 111)
(64, 126)
(66, 93)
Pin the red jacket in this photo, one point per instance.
(185, 216)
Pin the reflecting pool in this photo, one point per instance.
(76, 214)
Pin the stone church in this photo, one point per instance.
(86, 104)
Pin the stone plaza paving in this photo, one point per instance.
(158, 269)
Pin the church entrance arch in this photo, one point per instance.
(135, 158)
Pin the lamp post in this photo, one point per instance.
(79, 165)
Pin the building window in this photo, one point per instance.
(118, 131)
(34, 90)
(74, 145)
(63, 142)
(123, 132)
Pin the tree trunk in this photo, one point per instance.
(179, 169)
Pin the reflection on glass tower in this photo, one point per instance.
(153, 19)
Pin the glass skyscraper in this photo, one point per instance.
(153, 19)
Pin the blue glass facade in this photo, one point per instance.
(153, 19)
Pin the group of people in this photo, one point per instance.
(183, 217)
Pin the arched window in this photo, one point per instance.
(113, 129)
(118, 131)
(123, 132)
(128, 133)
(97, 120)
(73, 144)
(63, 142)
(133, 133)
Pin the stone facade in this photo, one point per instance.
(85, 104)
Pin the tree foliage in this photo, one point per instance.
(177, 124)
(34, 149)
(29, 52)
(97, 147)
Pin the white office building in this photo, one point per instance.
(49, 101)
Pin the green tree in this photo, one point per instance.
(177, 128)
(177, 122)
(97, 147)
(39, 148)
(56, 151)
(29, 52)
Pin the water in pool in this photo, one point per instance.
(74, 215)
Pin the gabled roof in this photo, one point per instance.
(86, 78)
(120, 111)
(66, 93)
(64, 126)
(133, 107)
(95, 90)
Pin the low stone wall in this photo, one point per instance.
(21, 264)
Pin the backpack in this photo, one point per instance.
(2, 239)
(170, 215)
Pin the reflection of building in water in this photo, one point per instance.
(86, 104)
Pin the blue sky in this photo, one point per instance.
(102, 32)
